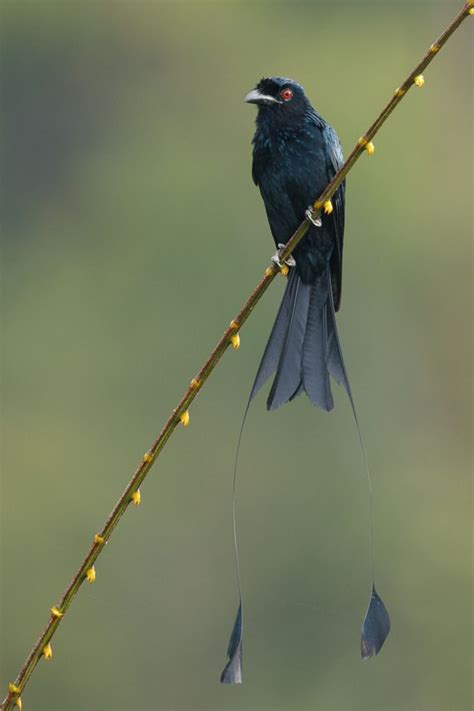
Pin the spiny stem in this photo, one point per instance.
(230, 336)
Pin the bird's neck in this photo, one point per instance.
(273, 136)
(274, 133)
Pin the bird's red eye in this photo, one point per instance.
(286, 94)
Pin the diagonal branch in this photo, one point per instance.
(180, 415)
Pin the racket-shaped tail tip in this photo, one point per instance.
(375, 627)
(232, 673)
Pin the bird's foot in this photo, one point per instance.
(316, 221)
(276, 259)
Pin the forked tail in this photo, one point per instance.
(303, 349)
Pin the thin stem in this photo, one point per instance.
(100, 539)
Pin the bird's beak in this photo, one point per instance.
(255, 97)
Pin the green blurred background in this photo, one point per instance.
(132, 233)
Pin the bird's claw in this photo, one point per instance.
(316, 221)
(276, 259)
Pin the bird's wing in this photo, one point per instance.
(278, 205)
(335, 159)
(282, 218)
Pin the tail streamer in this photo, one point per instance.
(232, 673)
(376, 623)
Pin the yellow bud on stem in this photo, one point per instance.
(235, 340)
(184, 417)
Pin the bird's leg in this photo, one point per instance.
(316, 221)
(276, 259)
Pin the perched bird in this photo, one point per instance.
(295, 155)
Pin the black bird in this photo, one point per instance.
(295, 155)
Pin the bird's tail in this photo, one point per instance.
(304, 350)
(303, 347)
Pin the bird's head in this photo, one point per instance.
(277, 95)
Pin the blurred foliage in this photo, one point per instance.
(131, 235)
